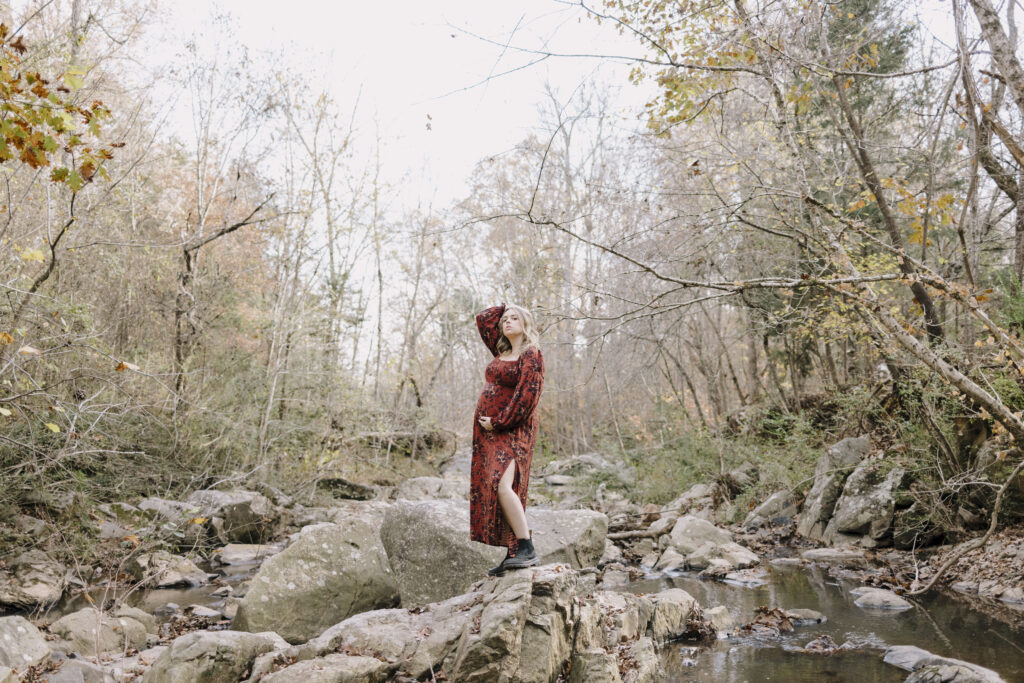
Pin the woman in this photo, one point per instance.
(504, 431)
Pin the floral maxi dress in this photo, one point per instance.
(509, 398)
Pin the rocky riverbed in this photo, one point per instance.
(385, 585)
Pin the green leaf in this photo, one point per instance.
(52, 427)
(75, 181)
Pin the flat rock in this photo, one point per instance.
(91, 632)
(21, 644)
(211, 657)
(32, 579)
(748, 578)
(882, 599)
(843, 556)
(805, 617)
(161, 569)
(910, 658)
(245, 553)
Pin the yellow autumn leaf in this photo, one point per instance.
(199, 520)
(30, 350)
(52, 427)
(6, 338)
(33, 255)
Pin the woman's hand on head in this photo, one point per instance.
(485, 422)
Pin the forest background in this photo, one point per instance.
(813, 229)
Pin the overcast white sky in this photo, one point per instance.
(410, 59)
(407, 59)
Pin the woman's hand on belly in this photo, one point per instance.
(485, 422)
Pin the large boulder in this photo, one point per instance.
(325, 576)
(829, 474)
(524, 626)
(237, 516)
(433, 488)
(32, 579)
(421, 537)
(211, 657)
(161, 569)
(864, 512)
(21, 644)
(90, 632)
(777, 507)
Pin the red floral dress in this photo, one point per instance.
(509, 398)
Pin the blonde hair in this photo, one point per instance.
(531, 336)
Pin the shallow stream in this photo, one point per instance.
(937, 623)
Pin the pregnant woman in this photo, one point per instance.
(504, 431)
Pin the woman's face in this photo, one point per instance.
(511, 325)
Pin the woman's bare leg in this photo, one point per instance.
(511, 505)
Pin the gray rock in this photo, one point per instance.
(459, 464)
(420, 537)
(30, 526)
(324, 577)
(333, 668)
(161, 569)
(559, 480)
(343, 488)
(829, 475)
(882, 599)
(690, 533)
(211, 657)
(247, 516)
(245, 553)
(805, 617)
(594, 666)
(1013, 595)
(523, 626)
(947, 673)
(90, 632)
(910, 658)
(779, 505)
(612, 553)
(843, 556)
(77, 671)
(720, 618)
(866, 506)
(663, 524)
(21, 644)
(433, 488)
(670, 560)
(697, 496)
(147, 620)
(32, 579)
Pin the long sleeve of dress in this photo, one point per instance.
(527, 394)
(488, 322)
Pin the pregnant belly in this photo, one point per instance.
(493, 398)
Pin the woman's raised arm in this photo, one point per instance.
(488, 321)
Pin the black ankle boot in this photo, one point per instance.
(525, 555)
(500, 569)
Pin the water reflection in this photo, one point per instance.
(937, 624)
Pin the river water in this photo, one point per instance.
(937, 623)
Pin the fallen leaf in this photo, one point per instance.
(52, 427)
